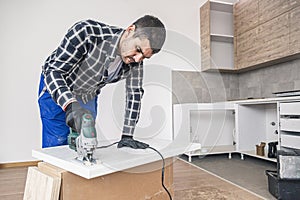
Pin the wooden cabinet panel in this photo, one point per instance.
(216, 29)
(246, 48)
(294, 3)
(235, 58)
(269, 9)
(275, 35)
(205, 35)
(273, 39)
(294, 29)
(245, 16)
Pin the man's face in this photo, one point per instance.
(134, 49)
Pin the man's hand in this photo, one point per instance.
(74, 113)
(128, 141)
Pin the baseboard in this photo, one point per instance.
(19, 164)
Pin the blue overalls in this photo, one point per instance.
(54, 129)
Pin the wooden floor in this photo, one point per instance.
(12, 183)
(190, 183)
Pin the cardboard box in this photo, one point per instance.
(139, 183)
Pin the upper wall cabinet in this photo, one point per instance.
(266, 32)
(245, 16)
(216, 28)
(270, 9)
(249, 34)
(294, 29)
(264, 43)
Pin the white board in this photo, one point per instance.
(110, 159)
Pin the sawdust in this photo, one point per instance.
(204, 193)
(193, 183)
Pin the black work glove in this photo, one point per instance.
(128, 141)
(74, 113)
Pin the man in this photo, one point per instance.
(91, 55)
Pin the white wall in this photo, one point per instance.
(32, 29)
(156, 112)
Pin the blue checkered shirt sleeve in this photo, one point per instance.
(62, 61)
(134, 94)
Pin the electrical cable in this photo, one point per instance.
(106, 146)
(162, 169)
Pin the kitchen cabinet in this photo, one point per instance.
(256, 123)
(209, 126)
(294, 29)
(205, 36)
(245, 16)
(264, 43)
(289, 125)
(216, 32)
(238, 126)
(272, 39)
(245, 33)
(248, 34)
(246, 45)
(270, 9)
(266, 32)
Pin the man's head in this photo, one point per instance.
(142, 39)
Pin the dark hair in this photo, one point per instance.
(153, 29)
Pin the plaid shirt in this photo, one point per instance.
(78, 69)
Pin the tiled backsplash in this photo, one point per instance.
(205, 87)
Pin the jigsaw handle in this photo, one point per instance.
(88, 126)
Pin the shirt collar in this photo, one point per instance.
(114, 42)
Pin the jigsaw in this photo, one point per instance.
(85, 142)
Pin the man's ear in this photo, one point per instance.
(130, 30)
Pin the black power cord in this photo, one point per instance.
(106, 146)
(162, 169)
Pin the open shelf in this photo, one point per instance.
(220, 149)
(221, 54)
(217, 38)
(221, 6)
(221, 38)
(253, 154)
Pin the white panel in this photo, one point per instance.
(221, 6)
(222, 54)
(271, 116)
(251, 126)
(180, 121)
(292, 108)
(291, 141)
(221, 23)
(110, 159)
(212, 128)
(290, 124)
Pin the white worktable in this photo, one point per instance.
(111, 159)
